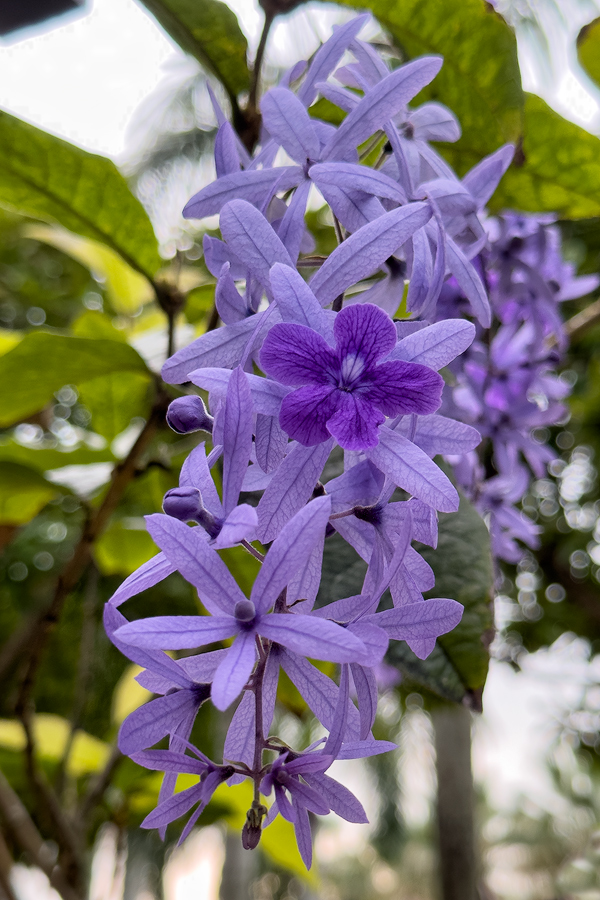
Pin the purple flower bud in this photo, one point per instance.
(252, 826)
(186, 414)
(183, 503)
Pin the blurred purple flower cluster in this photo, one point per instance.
(506, 383)
(349, 360)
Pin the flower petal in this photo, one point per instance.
(296, 355)
(305, 412)
(399, 387)
(355, 425)
(234, 671)
(363, 331)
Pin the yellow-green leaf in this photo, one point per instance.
(128, 694)
(23, 493)
(51, 733)
(588, 49)
(121, 550)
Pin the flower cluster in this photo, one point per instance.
(303, 368)
(506, 382)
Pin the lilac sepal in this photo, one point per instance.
(366, 693)
(235, 670)
(357, 178)
(239, 742)
(338, 729)
(290, 551)
(440, 435)
(360, 485)
(296, 302)
(469, 282)
(249, 186)
(381, 103)
(362, 749)
(354, 209)
(266, 394)
(195, 472)
(292, 228)
(270, 443)
(168, 761)
(437, 345)
(217, 254)
(255, 242)
(316, 638)
(177, 632)
(237, 437)
(287, 121)
(304, 585)
(341, 97)
(240, 524)
(345, 609)
(152, 721)
(419, 621)
(319, 692)
(327, 57)
(198, 564)
(483, 179)
(158, 662)
(366, 250)
(221, 347)
(150, 573)
(227, 159)
(202, 667)
(411, 469)
(339, 799)
(374, 639)
(231, 306)
(290, 488)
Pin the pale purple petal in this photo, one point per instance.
(354, 209)
(187, 548)
(411, 469)
(426, 619)
(362, 749)
(296, 355)
(440, 435)
(241, 524)
(227, 158)
(195, 473)
(469, 282)
(266, 394)
(319, 692)
(303, 835)
(152, 721)
(399, 387)
(230, 304)
(150, 573)
(437, 345)
(306, 412)
(338, 729)
(327, 57)
(358, 178)
(174, 807)
(169, 761)
(287, 121)
(239, 742)
(366, 693)
(234, 671)
(339, 798)
(374, 639)
(359, 486)
(306, 797)
(221, 347)
(292, 228)
(203, 666)
(483, 179)
(366, 250)
(158, 662)
(421, 271)
(434, 122)
(303, 587)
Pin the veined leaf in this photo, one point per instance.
(127, 290)
(23, 493)
(561, 168)
(588, 50)
(42, 363)
(47, 178)
(208, 30)
(114, 400)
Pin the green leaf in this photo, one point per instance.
(45, 459)
(210, 31)
(561, 168)
(588, 50)
(127, 290)
(121, 549)
(23, 493)
(480, 80)
(114, 400)
(50, 179)
(42, 363)
(51, 733)
(199, 302)
(94, 324)
(462, 564)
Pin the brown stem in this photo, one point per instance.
(583, 320)
(256, 69)
(213, 319)
(256, 553)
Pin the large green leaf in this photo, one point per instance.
(208, 30)
(45, 459)
(561, 168)
(42, 363)
(480, 79)
(23, 493)
(121, 549)
(47, 178)
(114, 400)
(588, 49)
(462, 564)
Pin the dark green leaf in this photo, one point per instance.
(23, 493)
(42, 363)
(43, 460)
(480, 79)
(561, 169)
(114, 400)
(588, 49)
(47, 178)
(208, 30)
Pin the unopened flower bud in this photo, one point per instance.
(252, 826)
(186, 414)
(183, 503)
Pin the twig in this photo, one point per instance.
(256, 553)
(213, 319)
(260, 52)
(26, 835)
(583, 320)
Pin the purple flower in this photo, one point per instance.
(347, 392)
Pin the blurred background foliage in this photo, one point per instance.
(100, 278)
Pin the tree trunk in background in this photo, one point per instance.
(239, 869)
(456, 830)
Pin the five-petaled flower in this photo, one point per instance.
(346, 392)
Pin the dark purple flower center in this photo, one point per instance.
(245, 613)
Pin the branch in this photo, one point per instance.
(26, 835)
(583, 320)
(6, 864)
(99, 784)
